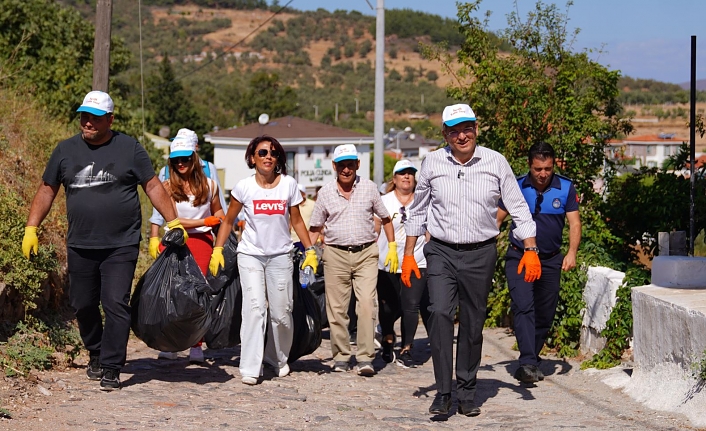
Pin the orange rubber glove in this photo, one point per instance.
(211, 221)
(409, 265)
(532, 266)
(241, 224)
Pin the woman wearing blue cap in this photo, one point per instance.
(396, 301)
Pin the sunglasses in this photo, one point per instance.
(467, 131)
(183, 160)
(538, 203)
(263, 153)
(403, 213)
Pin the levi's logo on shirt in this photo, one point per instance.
(270, 207)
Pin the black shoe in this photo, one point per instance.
(388, 351)
(468, 408)
(441, 404)
(110, 380)
(353, 336)
(93, 370)
(405, 360)
(540, 374)
(527, 374)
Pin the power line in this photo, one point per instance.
(225, 51)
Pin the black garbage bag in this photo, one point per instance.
(227, 303)
(306, 316)
(171, 303)
(318, 291)
(230, 270)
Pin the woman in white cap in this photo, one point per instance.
(395, 300)
(270, 201)
(198, 207)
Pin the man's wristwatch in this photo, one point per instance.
(534, 249)
(311, 247)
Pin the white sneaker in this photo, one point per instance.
(249, 380)
(196, 355)
(283, 371)
(167, 355)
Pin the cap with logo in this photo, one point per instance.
(402, 165)
(458, 113)
(345, 152)
(184, 143)
(97, 103)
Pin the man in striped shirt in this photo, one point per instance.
(344, 211)
(456, 201)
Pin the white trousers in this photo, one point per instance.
(267, 286)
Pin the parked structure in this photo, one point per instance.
(645, 150)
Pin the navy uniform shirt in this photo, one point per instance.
(548, 210)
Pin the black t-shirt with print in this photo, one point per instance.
(100, 181)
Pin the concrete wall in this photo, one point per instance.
(669, 325)
(599, 296)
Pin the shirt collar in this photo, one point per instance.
(477, 155)
(554, 184)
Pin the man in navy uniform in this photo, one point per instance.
(552, 199)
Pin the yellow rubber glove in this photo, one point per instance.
(392, 258)
(409, 266)
(176, 224)
(154, 247)
(533, 268)
(30, 242)
(217, 261)
(311, 260)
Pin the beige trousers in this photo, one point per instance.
(357, 272)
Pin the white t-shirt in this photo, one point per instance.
(393, 206)
(266, 215)
(188, 210)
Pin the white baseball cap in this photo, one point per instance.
(301, 188)
(458, 113)
(97, 103)
(187, 134)
(182, 146)
(345, 152)
(402, 165)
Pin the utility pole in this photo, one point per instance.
(101, 47)
(378, 147)
(336, 120)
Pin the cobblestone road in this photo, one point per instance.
(173, 395)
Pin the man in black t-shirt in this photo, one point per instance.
(100, 170)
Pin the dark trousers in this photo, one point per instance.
(533, 304)
(458, 279)
(396, 300)
(103, 277)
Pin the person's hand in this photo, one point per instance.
(154, 247)
(392, 258)
(211, 221)
(176, 224)
(241, 224)
(409, 265)
(311, 260)
(532, 266)
(569, 262)
(30, 242)
(217, 261)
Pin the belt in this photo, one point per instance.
(352, 248)
(465, 247)
(541, 255)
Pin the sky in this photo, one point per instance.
(648, 39)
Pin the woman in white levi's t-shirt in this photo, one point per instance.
(269, 201)
(394, 299)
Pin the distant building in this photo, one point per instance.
(308, 146)
(645, 150)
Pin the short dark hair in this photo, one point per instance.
(281, 159)
(541, 151)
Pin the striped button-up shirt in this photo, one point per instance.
(458, 202)
(348, 221)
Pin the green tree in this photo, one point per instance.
(267, 95)
(170, 105)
